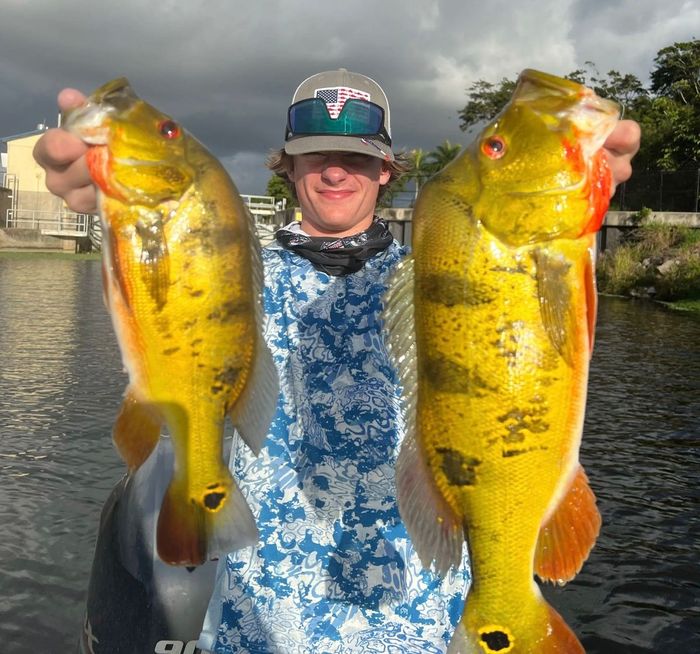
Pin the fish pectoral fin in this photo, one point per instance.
(556, 307)
(569, 534)
(193, 530)
(591, 292)
(136, 430)
(253, 411)
(154, 259)
(436, 531)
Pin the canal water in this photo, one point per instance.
(61, 382)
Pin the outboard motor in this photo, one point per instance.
(136, 604)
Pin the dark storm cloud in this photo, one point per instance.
(227, 70)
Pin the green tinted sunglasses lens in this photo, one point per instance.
(357, 118)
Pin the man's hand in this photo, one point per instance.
(621, 146)
(62, 156)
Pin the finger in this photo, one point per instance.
(70, 98)
(624, 139)
(82, 200)
(57, 149)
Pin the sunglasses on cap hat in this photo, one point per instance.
(311, 117)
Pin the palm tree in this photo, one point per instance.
(443, 154)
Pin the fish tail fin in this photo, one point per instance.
(195, 527)
(136, 430)
(537, 628)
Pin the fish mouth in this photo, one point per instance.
(559, 100)
(90, 121)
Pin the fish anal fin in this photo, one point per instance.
(569, 534)
(193, 530)
(436, 531)
(136, 431)
(556, 307)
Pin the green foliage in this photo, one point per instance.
(485, 101)
(668, 112)
(279, 189)
(665, 257)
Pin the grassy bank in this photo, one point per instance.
(48, 254)
(655, 261)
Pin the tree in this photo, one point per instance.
(677, 72)
(485, 101)
(278, 189)
(443, 154)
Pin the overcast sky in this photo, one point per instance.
(227, 69)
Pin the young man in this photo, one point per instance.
(334, 570)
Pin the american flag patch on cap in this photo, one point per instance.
(335, 97)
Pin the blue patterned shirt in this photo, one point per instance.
(334, 571)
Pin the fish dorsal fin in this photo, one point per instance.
(556, 307)
(435, 530)
(569, 534)
(256, 406)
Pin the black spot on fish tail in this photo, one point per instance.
(196, 341)
(171, 350)
(197, 293)
(453, 290)
(459, 469)
(213, 500)
(496, 641)
(188, 324)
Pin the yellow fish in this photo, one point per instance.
(490, 323)
(183, 281)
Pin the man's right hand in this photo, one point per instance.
(62, 156)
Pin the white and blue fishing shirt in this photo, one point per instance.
(334, 571)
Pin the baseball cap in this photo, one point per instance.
(355, 117)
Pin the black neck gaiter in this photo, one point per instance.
(338, 256)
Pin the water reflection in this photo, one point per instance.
(60, 384)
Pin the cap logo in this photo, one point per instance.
(335, 97)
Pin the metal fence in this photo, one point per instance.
(677, 190)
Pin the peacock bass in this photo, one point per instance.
(490, 323)
(182, 281)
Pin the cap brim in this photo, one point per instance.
(307, 144)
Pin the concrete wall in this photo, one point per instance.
(32, 239)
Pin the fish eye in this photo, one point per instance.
(169, 129)
(494, 147)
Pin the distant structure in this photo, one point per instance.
(27, 205)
